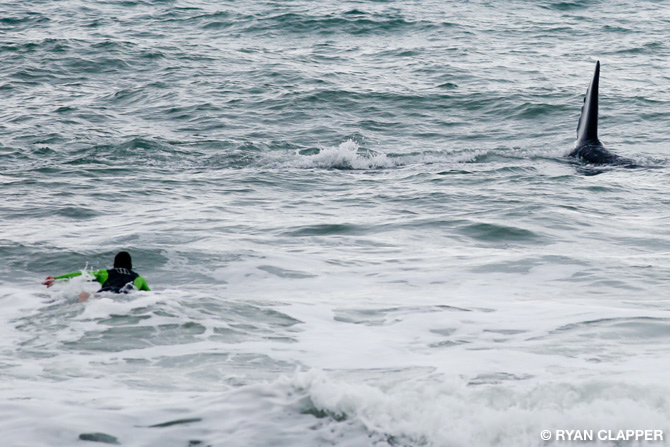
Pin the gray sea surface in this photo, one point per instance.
(358, 221)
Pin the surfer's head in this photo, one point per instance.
(122, 261)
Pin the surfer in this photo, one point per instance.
(120, 279)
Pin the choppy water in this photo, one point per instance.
(358, 221)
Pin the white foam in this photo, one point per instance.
(446, 411)
(347, 155)
(315, 408)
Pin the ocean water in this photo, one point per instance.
(358, 220)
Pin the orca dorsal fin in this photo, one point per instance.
(587, 127)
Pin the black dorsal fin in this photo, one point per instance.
(587, 128)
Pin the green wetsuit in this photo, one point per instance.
(103, 275)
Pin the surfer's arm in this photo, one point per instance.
(67, 275)
(141, 284)
(52, 279)
(100, 276)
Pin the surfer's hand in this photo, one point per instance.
(49, 281)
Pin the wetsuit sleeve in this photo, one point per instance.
(141, 284)
(100, 275)
(68, 275)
